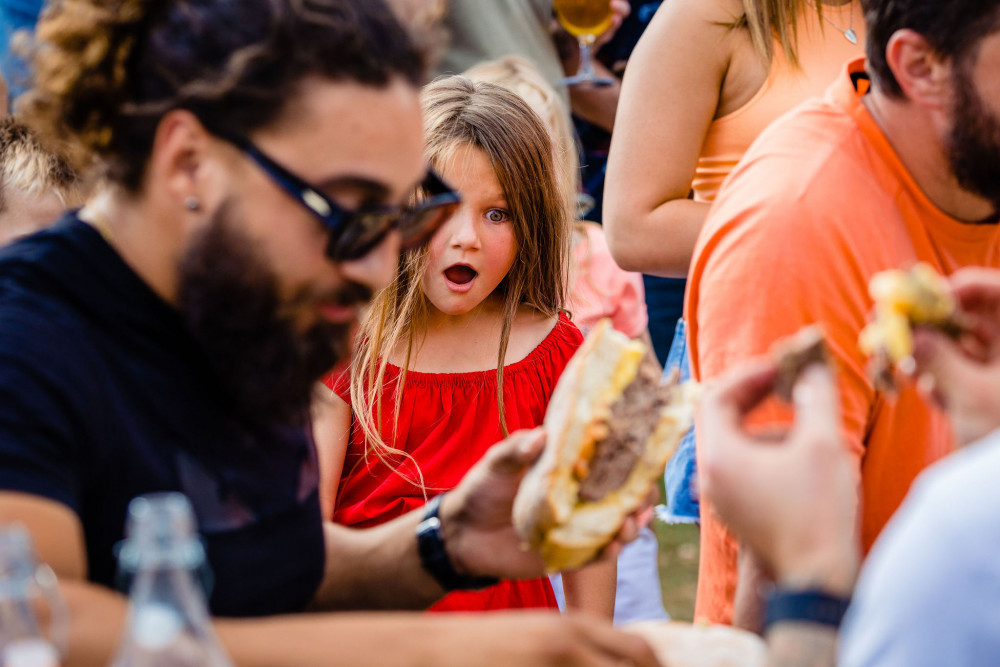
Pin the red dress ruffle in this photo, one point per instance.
(448, 421)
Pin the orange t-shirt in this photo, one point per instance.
(819, 204)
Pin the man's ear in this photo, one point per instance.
(179, 161)
(922, 74)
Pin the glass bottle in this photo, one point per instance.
(168, 621)
(23, 582)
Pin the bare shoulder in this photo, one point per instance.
(530, 328)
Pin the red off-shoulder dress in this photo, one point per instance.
(447, 421)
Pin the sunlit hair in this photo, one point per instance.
(459, 113)
(107, 71)
(28, 168)
(519, 75)
(770, 21)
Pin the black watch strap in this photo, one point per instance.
(806, 606)
(434, 558)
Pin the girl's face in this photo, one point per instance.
(473, 251)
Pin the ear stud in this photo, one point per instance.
(192, 203)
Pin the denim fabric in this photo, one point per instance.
(682, 473)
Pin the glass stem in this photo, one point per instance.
(586, 71)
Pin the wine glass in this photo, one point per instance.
(585, 20)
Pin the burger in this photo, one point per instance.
(904, 300)
(611, 426)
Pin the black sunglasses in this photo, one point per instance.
(353, 234)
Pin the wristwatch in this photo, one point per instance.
(434, 557)
(805, 606)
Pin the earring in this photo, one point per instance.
(192, 203)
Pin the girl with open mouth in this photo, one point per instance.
(482, 307)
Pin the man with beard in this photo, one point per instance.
(259, 156)
(897, 164)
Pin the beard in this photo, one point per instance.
(230, 302)
(974, 145)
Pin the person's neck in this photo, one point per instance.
(150, 242)
(456, 343)
(920, 147)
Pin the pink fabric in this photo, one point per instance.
(603, 289)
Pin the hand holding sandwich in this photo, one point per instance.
(962, 374)
(476, 515)
(791, 499)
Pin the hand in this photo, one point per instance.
(566, 45)
(476, 515)
(790, 497)
(620, 9)
(531, 638)
(963, 375)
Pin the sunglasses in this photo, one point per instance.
(353, 234)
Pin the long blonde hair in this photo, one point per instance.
(776, 20)
(459, 112)
(519, 75)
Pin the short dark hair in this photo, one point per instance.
(108, 70)
(954, 29)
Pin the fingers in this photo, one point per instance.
(740, 391)
(517, 453)
(976, 288)
(615, 647)
(941, 366)
(817, 406)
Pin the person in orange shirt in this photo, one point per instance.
(896, 164)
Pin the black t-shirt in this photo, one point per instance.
(104, 396)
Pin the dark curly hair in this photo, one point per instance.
(954, 29)
(106, 71)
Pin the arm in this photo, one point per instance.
(332, 434)
(98, 616)
(592, 589)
(670, 95)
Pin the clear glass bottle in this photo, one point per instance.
(23, 583)
(168, 621)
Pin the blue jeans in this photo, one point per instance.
(681, 504)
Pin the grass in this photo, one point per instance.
(678, 561)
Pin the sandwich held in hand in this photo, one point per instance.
(610, 428)
(796, 353)
(903, 300)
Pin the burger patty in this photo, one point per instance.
(634, 417)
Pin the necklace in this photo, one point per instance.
(848, 33)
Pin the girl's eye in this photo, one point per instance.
(496, 215)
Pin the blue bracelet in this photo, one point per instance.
(434, 557)
(808, 606)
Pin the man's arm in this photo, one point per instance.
(98, 616)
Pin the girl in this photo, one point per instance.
(598, 289)
(480, 308)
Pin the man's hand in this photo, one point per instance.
(476, 515)
(790, 497)
(963, 375)
(537, 638)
